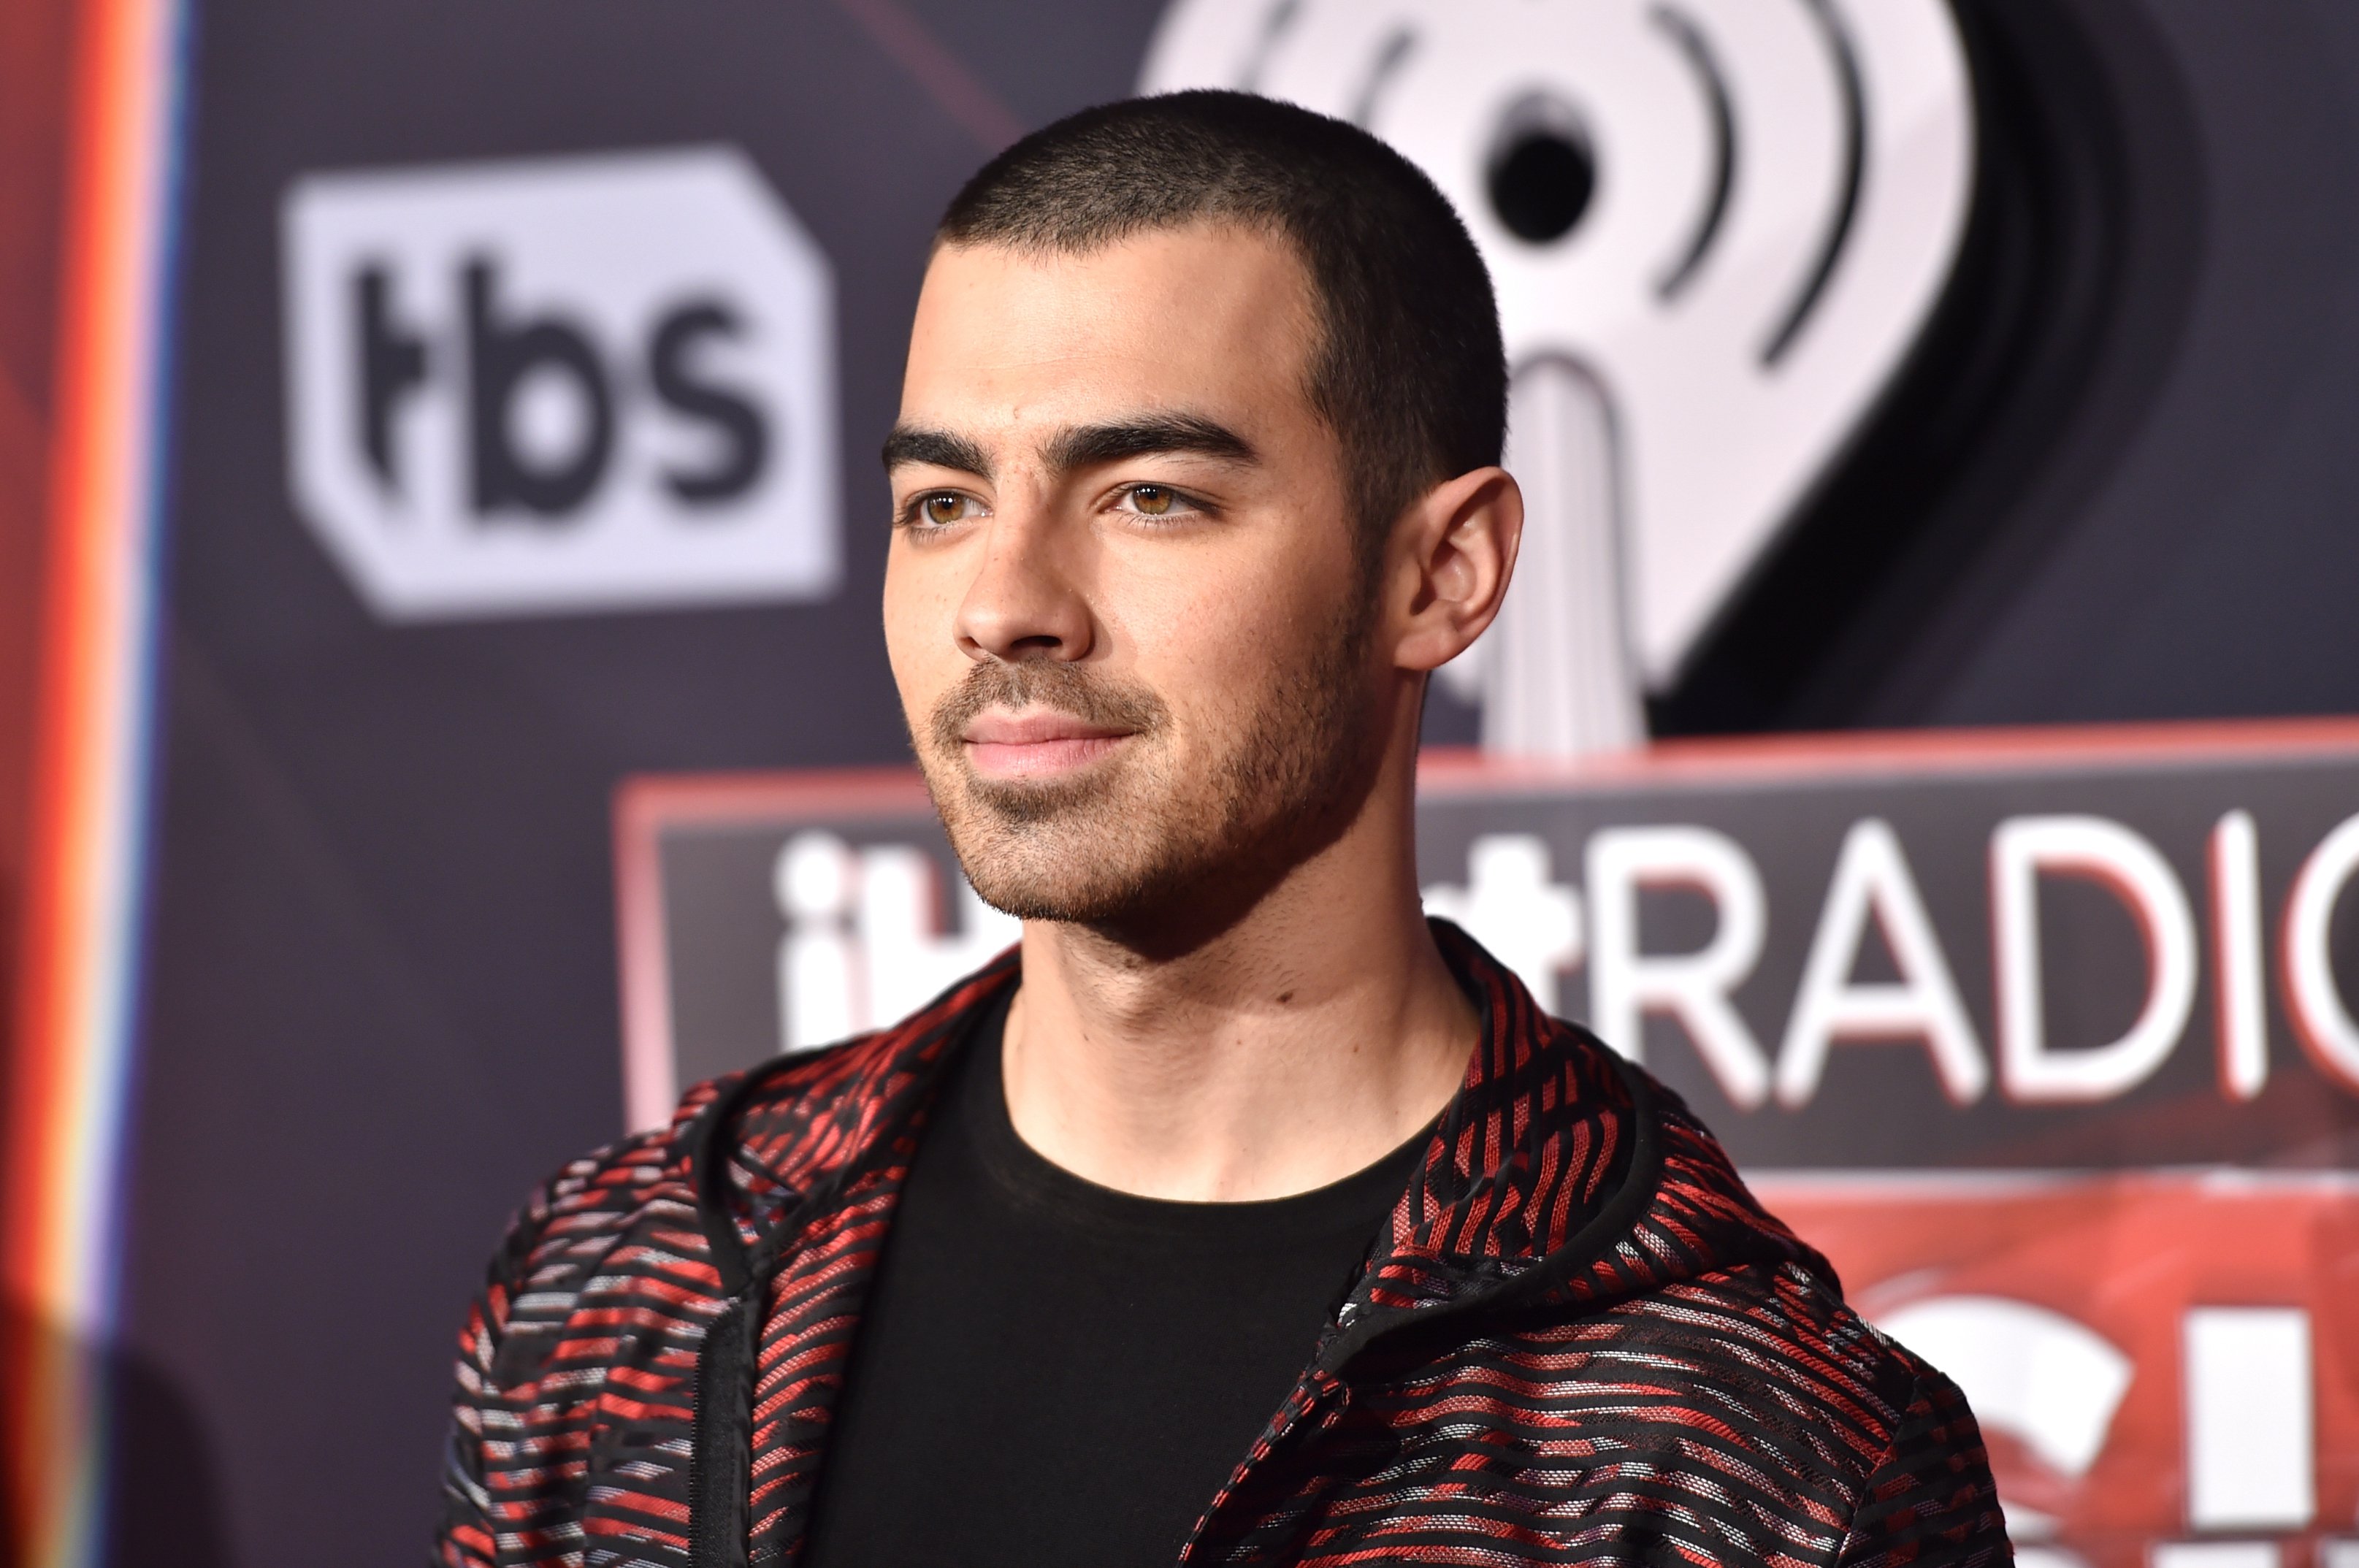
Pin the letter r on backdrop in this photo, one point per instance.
(1624, 984)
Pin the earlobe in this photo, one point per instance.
(1461, 541)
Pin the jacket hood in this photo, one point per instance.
(1559, 1175)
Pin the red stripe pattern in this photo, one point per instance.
(1582, 1341)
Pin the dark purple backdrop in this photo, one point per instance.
(383, 995)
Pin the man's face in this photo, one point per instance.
(1123, 601)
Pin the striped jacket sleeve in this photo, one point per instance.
(1931, 1502)
(466, 1537)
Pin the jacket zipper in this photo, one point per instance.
(1335, 1393)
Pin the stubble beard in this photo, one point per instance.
(1131, 837)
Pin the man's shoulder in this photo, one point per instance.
(1761, 1360)
(1812, 1413)
(606, 1221)
(1783, 1332)
(792, 1120)
(774, 1100)
(1764, 1314)
(1749, 1411)
(1865, 1432)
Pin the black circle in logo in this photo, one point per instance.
(1542, 176)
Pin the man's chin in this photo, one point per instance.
(1069, 885)
(1062, 850)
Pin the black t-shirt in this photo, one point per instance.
(1051, 1374)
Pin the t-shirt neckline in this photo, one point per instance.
(977, 1104)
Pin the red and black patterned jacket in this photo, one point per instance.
(1580, 1340)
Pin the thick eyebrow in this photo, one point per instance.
(1084, 446)
(938, 449)
(1076, 446)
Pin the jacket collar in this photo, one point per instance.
(1557, 1174)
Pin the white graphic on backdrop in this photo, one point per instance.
(875, 931)
(562, 384)
(2251, 1420)
(1716, 228)
(866, 944)
(1514, 906)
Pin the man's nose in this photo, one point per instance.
(1025, 602)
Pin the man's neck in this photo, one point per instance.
(1304, 1043)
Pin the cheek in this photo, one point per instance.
(920, 643)
(1212, 635)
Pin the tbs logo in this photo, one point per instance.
(566, 384)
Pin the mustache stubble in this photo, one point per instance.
(1074, 689)
(1071, 688)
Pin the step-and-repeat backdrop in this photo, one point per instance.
(1974, 376)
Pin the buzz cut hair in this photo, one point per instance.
(1410, 372)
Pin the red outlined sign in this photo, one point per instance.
(2218, 946)
(2136, 1264)
(646, 809)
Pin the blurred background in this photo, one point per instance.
(442, 708)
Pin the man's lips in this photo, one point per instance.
(1038, 743)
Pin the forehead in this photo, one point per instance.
(1215, 318)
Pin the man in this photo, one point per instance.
(1239, 1215)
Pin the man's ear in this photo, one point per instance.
(1453, 553)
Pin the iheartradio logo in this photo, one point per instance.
(1717, 227)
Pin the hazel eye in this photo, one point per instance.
(944, 507)
(1157, 501)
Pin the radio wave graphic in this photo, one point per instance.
(1717, 228)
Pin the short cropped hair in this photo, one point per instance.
(1411, 374)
